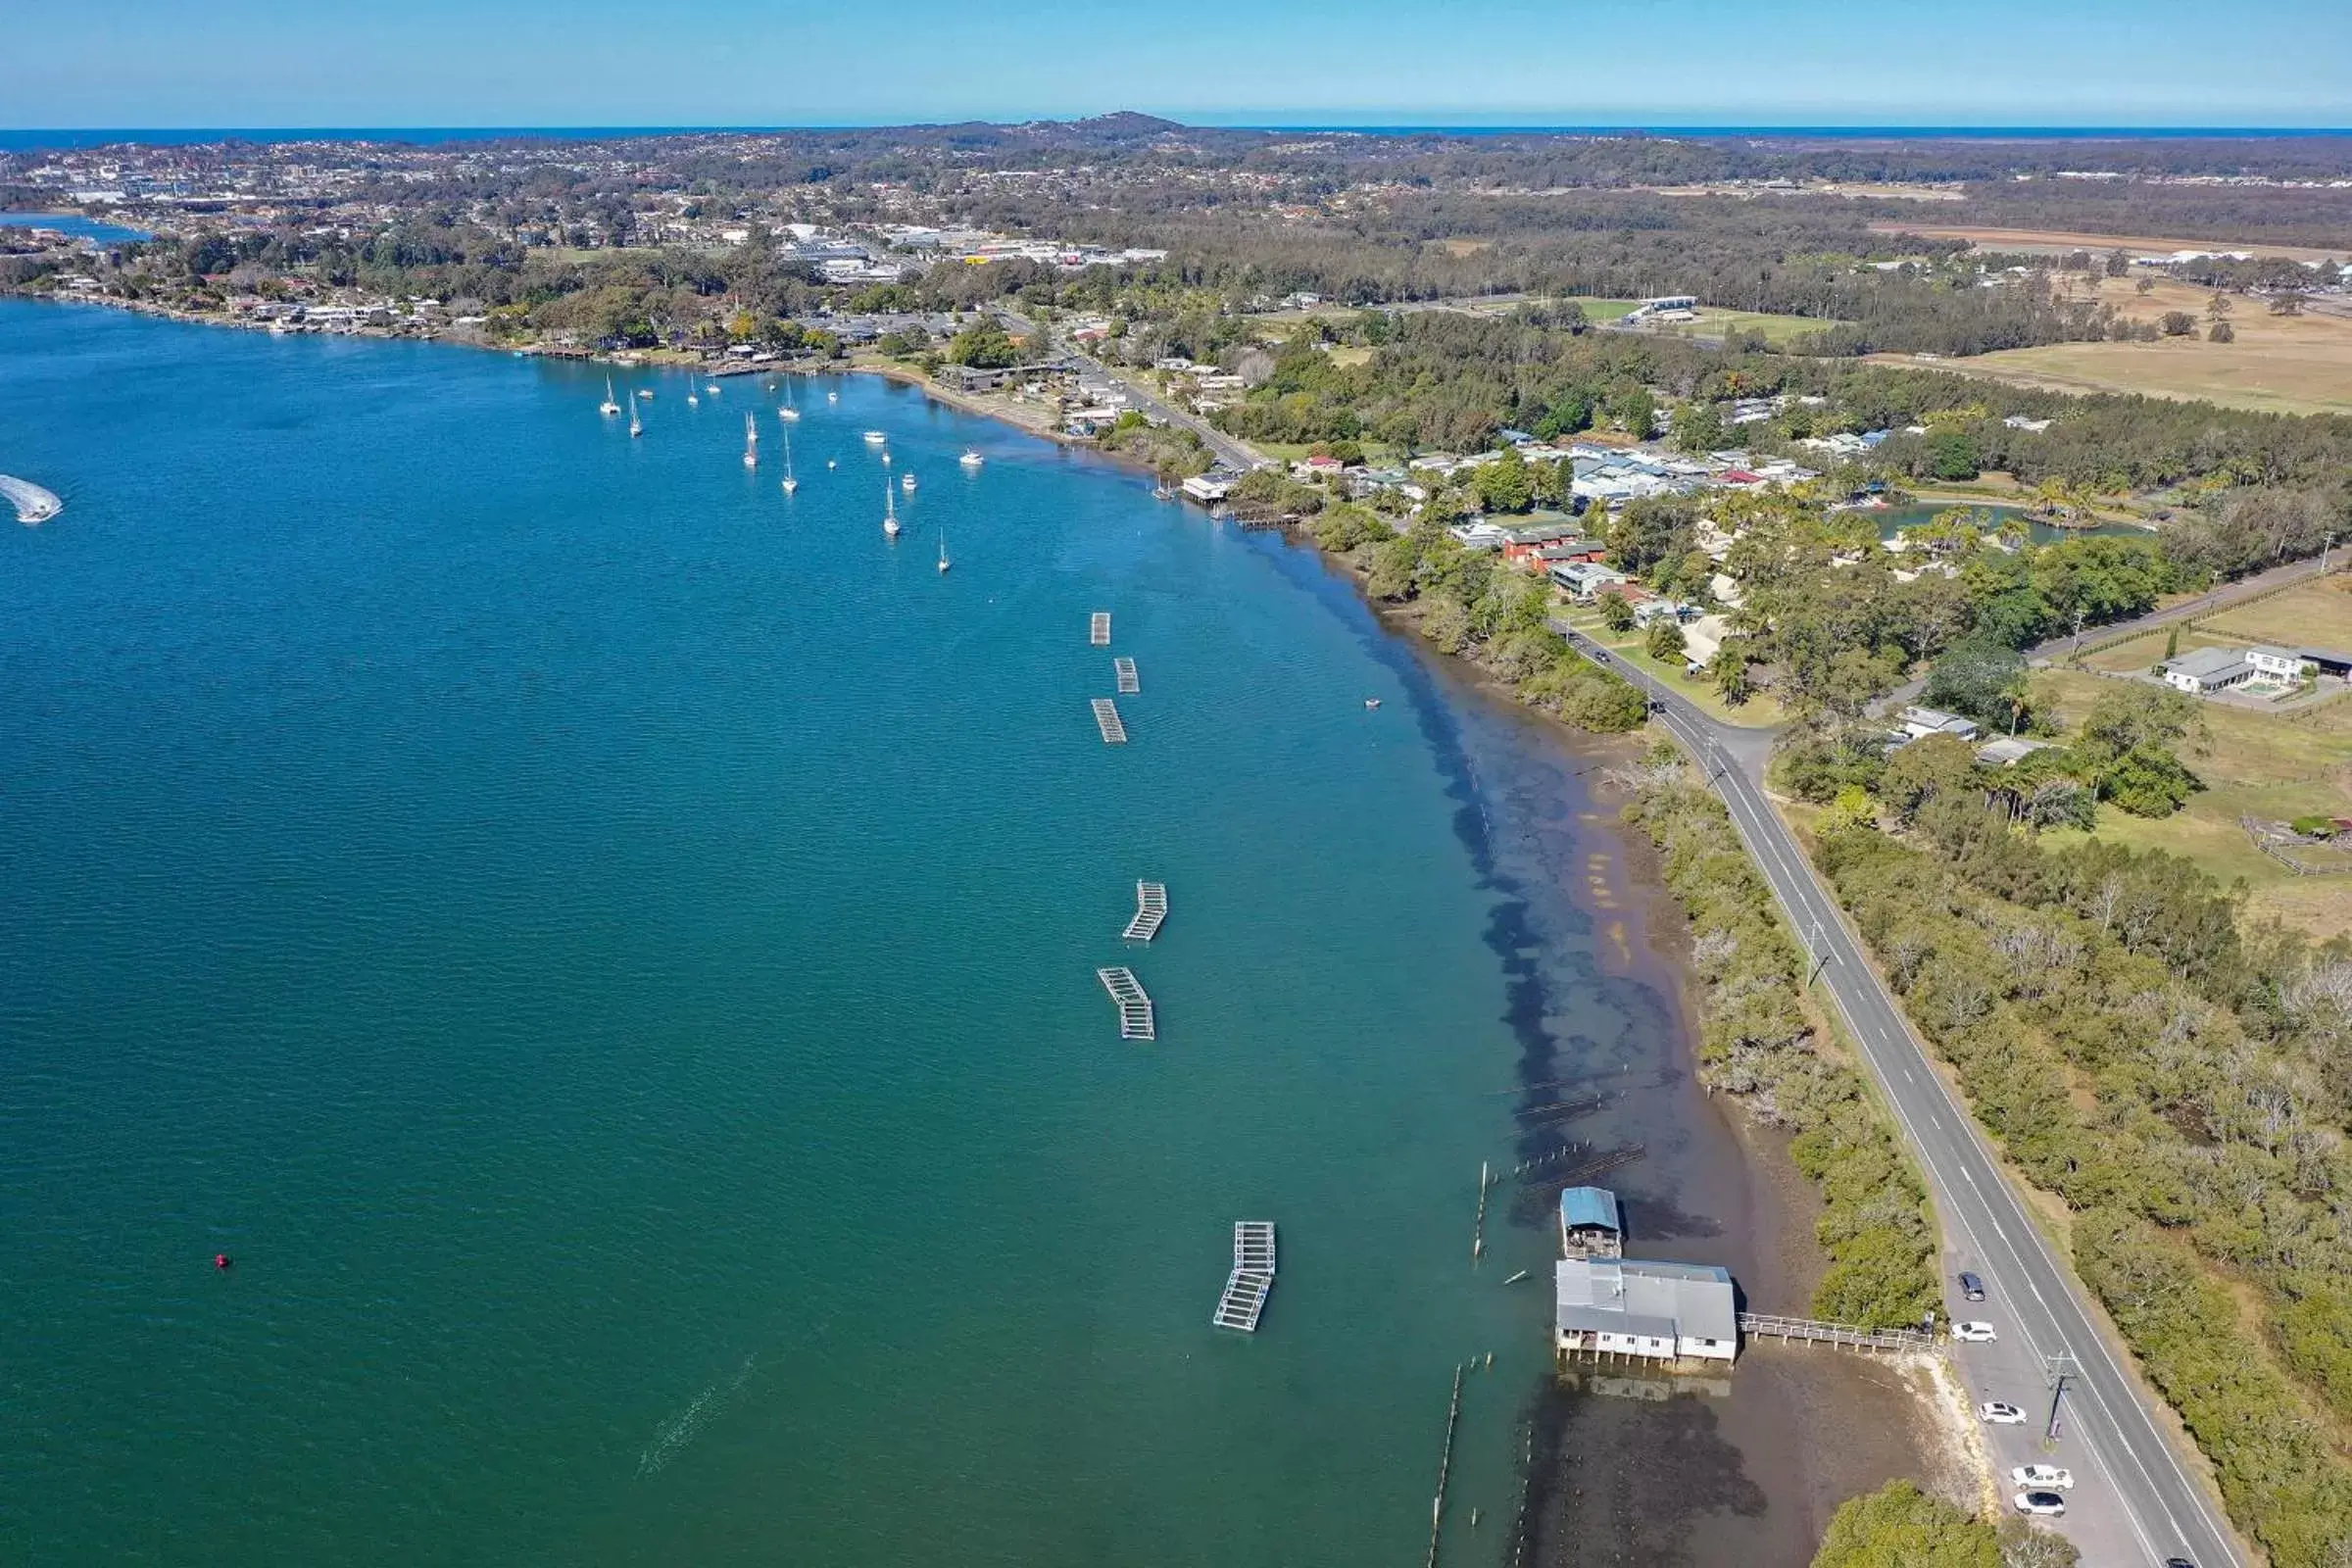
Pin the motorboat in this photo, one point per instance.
(907, 483)
(875, 438)
(971, 459)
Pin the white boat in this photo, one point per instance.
(874, 438)
(712, 388)
(787, 413)
(612, 405)
(971, 459)
(645, 392)
(832, 463)
(636, 425)
(693, 402)
(944, 563)
(890, 513)
(751, 442)
(886, 460)
(832, 397)
(907, 483)
(789, 483)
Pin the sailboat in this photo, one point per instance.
(890, 512)
(751, 442)
(787, 413)
(693, 402)
(636, 425)
(612, 405)
(944, 563)
(832, 397)
(971, 459)
(789, 483)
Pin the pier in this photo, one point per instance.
(1108, 720)
(32, 503)
(1243, 1298)
(1135, 1008)
(1099, 628)
(1151, 908)
(1765, 1325)
(1129, 682)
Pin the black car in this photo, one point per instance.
(2178, 1562)
(1972, 1286)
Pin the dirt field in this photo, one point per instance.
(2042, 241)
(2281, 365)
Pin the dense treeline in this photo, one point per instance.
(1756, 1042)
(2181, 1084)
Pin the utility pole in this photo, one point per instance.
(2056, 1371)
(2324, 548)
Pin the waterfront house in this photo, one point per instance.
(1655, 1311)
(2205, 671)
(1591, 1223)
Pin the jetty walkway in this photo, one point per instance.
(1243, 1298)
(32, 503)
(1151, 908)
(1764, 1325)
(1136, 1021)
(1108, 720)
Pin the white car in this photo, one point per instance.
(2000, 1413)
(2041, 1502)
(1974, 1332)
(2042, 1477)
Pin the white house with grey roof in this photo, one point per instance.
(1657, 1311)
(2207, 670)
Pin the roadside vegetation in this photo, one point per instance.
(1900, 1526)
(1758, 1044)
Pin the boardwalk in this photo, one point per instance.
(1108, 720)
(1244, 1300)
(1097, 628)
(1135, 1009)
(1762, 1325)
(1151, 908)
(1129, 682)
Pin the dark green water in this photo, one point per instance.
(608, 949)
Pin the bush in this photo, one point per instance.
(1901, 1525)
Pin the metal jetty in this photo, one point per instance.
(1108, 720)
(1244, 1300)
(1129, 682)
(1099, 628)
(1135, 1009)
(1151, 908)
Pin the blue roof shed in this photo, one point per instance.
(1589, 1206)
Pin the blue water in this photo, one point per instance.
(73, 223)
(1895, 519)
(608, 949)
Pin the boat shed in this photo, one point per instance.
(1591, 1223)
(1654, 1312)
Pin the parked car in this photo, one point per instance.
(1974, 1332)
(2041, 1502)
(1972, 1286)
(2042, 1477)
(2000, 1413)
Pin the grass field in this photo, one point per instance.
(2316, 613)
(2281, 365)
(1761, 710)
(2272, 766)
(1711, 323)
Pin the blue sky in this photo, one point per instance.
(332, 62)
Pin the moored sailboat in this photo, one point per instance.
(612, 405)
(751, 442)
(944, 563)
(789, 483)
(890, 512)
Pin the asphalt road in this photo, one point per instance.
(2136, 1498)
(1232, 454)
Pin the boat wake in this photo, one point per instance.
(675, 1434)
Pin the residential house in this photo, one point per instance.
(2205, 671)
(1921, 723)
(2278, 664)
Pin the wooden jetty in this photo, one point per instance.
(1135, 1009)
(1151, 908)
(1129, 682)
(1108, 720)
(1097, 628)
(1812, 1332)
(1243, 1298)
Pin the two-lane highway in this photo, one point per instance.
(2168, 1510)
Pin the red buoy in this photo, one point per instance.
(220, 1260)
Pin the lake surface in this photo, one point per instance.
(608, 949)
(1895, 519)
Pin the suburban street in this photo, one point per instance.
(2136, 1499)
(1229, 452)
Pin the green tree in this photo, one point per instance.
(1933, 766)
(1974, 678)
(1729, 671)
(1504, 485)
(1699, 427)
(1616, 611)
(984, 346)
(1954, 455)
(2148, 781)
(1666, 642)
(1900, 1526)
